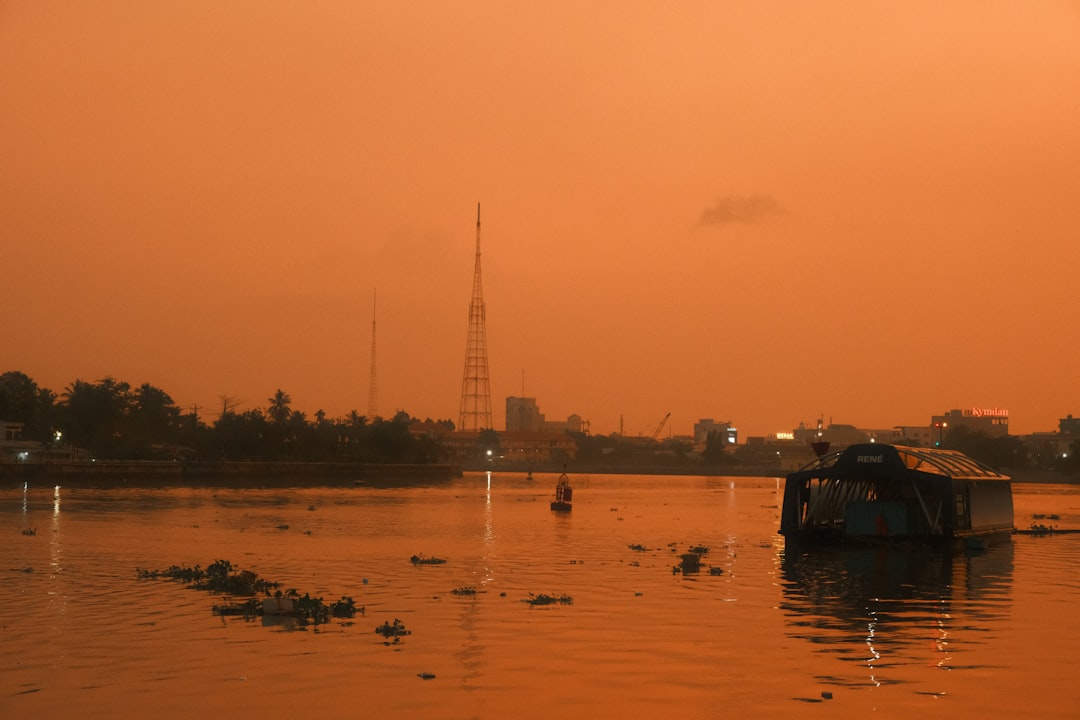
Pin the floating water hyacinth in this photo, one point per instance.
(222, 577)
(544, 599)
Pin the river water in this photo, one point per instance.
(755, 633)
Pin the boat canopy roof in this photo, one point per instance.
(894, 461)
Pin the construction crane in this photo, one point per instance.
(656, 432)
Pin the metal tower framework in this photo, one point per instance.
(373, 388)
(475, 389)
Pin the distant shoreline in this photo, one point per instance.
(150, 473)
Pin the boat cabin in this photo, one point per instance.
(879, 492)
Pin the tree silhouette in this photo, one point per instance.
(279, 407)
(21, 400)
(96, 416)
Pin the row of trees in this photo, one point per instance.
(1007, 453)
(114, 420)
(111, 419)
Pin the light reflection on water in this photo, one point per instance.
(903, 602)
(890, 632)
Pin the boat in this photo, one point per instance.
(563, 495)
(875, 492)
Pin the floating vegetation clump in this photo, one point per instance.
(689, 563)
(308, 609)
(249, 609)
(639, 548)
(393, 633)
(463, 591)
(222, 577)
(217, 577)
(1045, 516)
(29, 531)
(544, 599)
(421, 560)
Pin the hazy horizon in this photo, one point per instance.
(764, 213)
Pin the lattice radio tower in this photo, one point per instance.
(475, 389)
(373, 388)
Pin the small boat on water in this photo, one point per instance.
(876, 493)
(564, 494)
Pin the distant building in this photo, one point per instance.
(523, 415)
(13, 449)
(838, 434)
(704, 427)
(574, 423)
(881, 435)
(1041, 445)
(785, 454)
(917, 435)
(12, 430)
(537, 448)
(993, 422)
(1069, 425)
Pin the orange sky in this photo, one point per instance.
(757, 212)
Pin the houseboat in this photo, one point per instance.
(875, 492)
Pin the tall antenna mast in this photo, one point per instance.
(373, 388)
(475, 389)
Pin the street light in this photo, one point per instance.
(941, 432)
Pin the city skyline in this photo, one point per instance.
(768, 212)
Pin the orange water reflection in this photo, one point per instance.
(757, 631)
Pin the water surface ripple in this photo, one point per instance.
(758, 631)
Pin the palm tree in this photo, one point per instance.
(279, 407)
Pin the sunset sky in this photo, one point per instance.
(762, 212)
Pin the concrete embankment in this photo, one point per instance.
(225, 474)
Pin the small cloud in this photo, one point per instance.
(739, 209)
